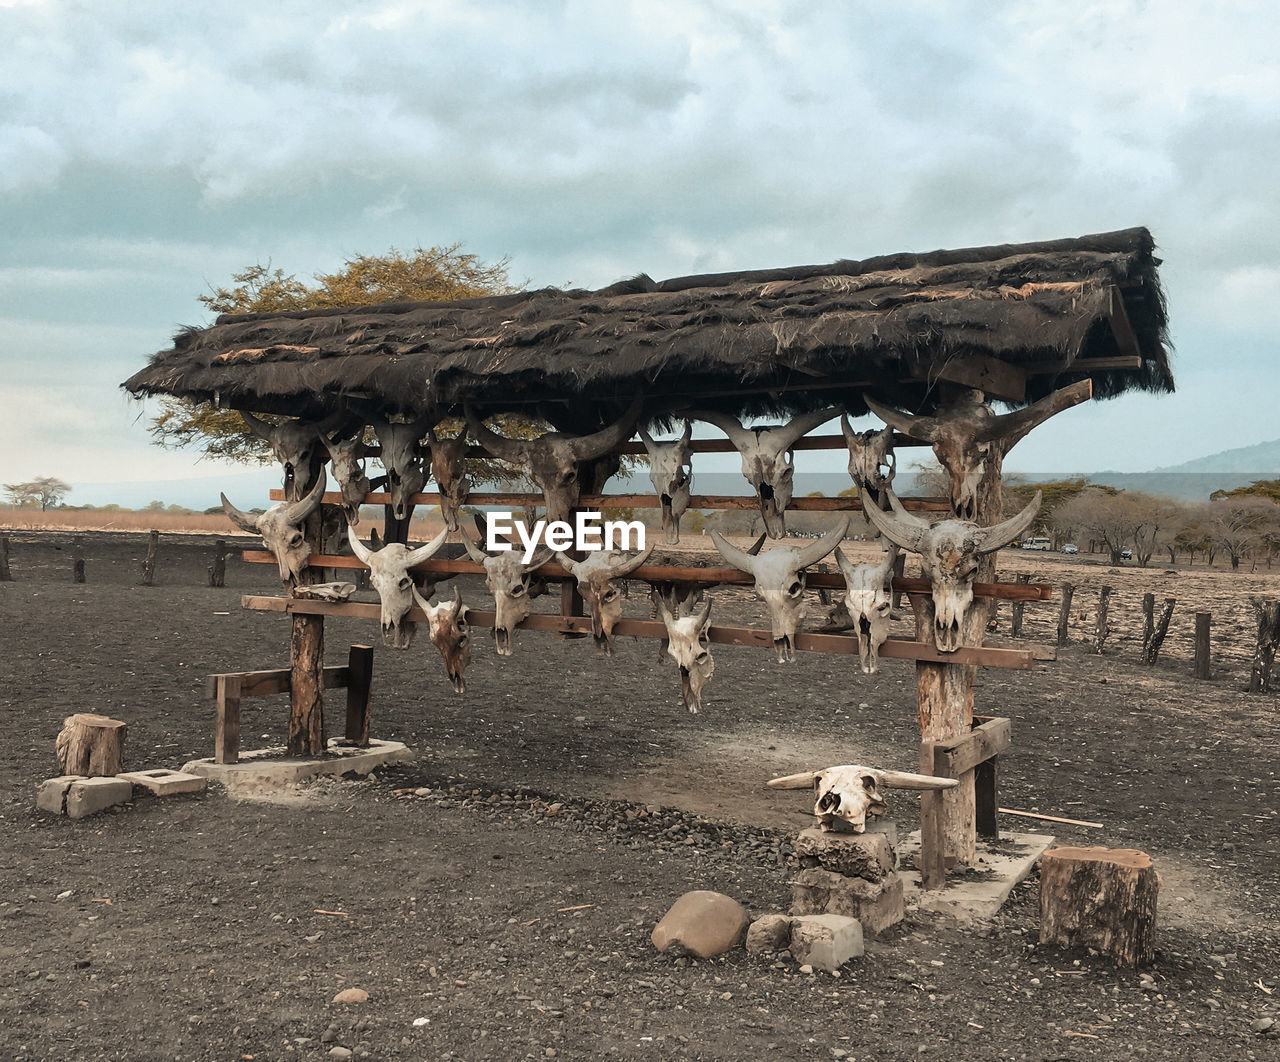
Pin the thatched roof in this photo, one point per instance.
(1016, 320)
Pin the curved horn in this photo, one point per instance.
(538, 560)
(731, 426)
(586, 447)
(647, 439)
(907, 534)
(260, 428)
(895, 503)
(704, 613)
(664, 612)
(794, 781)
(474, 551)
(507, 449)
(740, 559)
(815, 551)
(244, 521)
(357, 547)
(300, 510)
(627, 565)
(567, 563)
(1001, 534)
(805, 423)
(847, 567)
(754, 548)
(922, 428)
(686, 436)
(890, 558)
(457, 602)
(905, 780)
(1011, 427)
(425, 553)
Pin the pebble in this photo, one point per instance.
(339, 1052)
(1262, 1025)
(351, 995)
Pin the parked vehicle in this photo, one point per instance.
(1126, 554)
(1037, 543)
(1070, 549)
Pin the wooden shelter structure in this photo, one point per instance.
(1016, 322)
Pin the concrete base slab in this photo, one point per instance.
(164, 782)
(51, 794)
(88, 796)
(1004, 863)
(267, 768)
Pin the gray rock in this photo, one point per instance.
(877, 905)
(702, 923)
(339, 1052)
(769, 933)
(856, 855)
(826, 941)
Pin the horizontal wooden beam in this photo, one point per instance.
(540, 621)
(265, 683)
(954, 756)
(993, 377)
(656, 573)
(1083, 365)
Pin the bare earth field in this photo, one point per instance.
(486, 922)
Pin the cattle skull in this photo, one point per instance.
(672, 476)
(868, 599)
(389, 574)
(595, 576)
(871, 459)
(450, 633)
(552, 461)
(449, 473)
(690, 647)
(281, 530)
(402, 457)
(510, 581)
(949, 553)
(296, 446)
(347, 456)
(852, 792)
(766, 460)
(779, 581)
(970, 441)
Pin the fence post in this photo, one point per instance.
(1151, 651)
(1148, 621)
(6, 576)
(1015, 625)
(1268, 613)
(1202, 644)
(218, 569)
(149, 562)
(1100, 636)
(1064, 611)
(77, 559)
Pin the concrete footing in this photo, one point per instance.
(268, 768)
(976, 899)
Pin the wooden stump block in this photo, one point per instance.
(1103, 898)
(91, 745)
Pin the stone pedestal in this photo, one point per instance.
(848, 874)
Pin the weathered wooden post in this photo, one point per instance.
(1015, 625)
(1148, 621)
(1064, 611)
(149, 562)
(1264, 654)
(6, 576)
(218, 566)
(306, 665)
(1100, 635)
(359, 681)
(1151, 650)
(77, 559)
(1203, 620)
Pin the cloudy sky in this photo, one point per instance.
(148, 150)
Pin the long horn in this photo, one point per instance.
(667, 618)
(457, 602)
(923, 428)
(627, 565)
(567, 563)
(539, 558)
(794, 781)
(300, 510)
(731, 426)
(260, 428)
(1001, 534)
(740, 559)
(1011, 427)
(704, 613)
(895, 503)
(507, 449)
(905, 780)
(357, 547)
(647, 439)
(425, 553)
(805, 423)
(244, 521)
(686, 436)
(890, 559)
(474, 551)
(846, 429)
(847, 567)
(815, 551)
(332, 422)
(586, 447)
(907, 534)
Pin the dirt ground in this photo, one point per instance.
(495, 899)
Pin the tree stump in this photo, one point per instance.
(91, 745)
(218, 568)
(1151, 645)
(1103, 898)
(1202, 644)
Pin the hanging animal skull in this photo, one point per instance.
(671, 473)
(970, 441)
(871, 459)
(450, 633)
(402, 457)
(449, 473)
(766, 460)
(389, 574)
(296, 446)
(347, 456)
(949, 553)
(552, 461)
(511, 583)
(281, 530)
(595, 576)
(779, 581)
(690, 647)
(852, 792)
(868, 600)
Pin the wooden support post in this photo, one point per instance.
(1151, 650)
(6, 576)
(306, 667)
(218, 566)
(1148, 621)
(1015, 625)
(1064, 612)
(932, 858)
(149, 561)
(1100, 635)
(985, 800)
(226, 719)
(92, 745)
(1203, 619)
(1100, 898)
(1264, 654)
(359, 681)
(77, 559)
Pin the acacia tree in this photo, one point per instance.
(43, 491)
(1242, 523)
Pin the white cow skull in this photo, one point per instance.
(347, 456)
(281, 530)
(868, 600)
(766, 460)
(871, 459)
(779, 581)
(672, 476)
(552, 461)
(389, 574)
(450, 633)
(852, 792)
(690, 647)
(595, 575)
(510, 581)
(296, 446)
(402, 457)
(949, 553)
(449, 473)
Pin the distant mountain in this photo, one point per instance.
(1261, 461)
(1195, 480)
